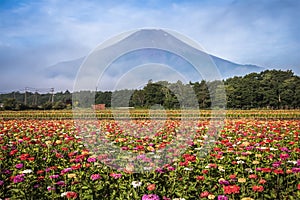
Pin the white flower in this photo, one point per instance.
(136, 184)
(240, 162)
(147, 168)
(63, 194)
(273, 149)
(249, 170)
(292, 161)
(179, 199)
(27, 171)
(188, 169)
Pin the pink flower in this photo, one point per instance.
(60, 183)
(19, 166)
(116, 176)
(204, 194)
(95, 177)
(150, 197)
(65, 170)
(91, 159)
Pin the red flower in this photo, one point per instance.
(13, 152)
(234, 162)
(4, 147)
(24, 156)
(262, 181)
(266, 169)
(232, 176)
(40, 171)
(71, 195)
(278, 171)
(58, 155)
(258, 188)
(252, 176)
(40, 178)
(212, 165)
(200, 178)
(231, 189)
(204, 194)
(205, 171)
(64, 148)
(185, 163)
(189, 158)
(31, 159)
(151, 187)
(298, 187)
(76, 166)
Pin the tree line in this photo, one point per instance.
(272, 89)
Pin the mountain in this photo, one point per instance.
(67, 69)
(154, 41)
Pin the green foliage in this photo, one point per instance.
(273, 89)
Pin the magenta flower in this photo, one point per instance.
(18, 178)
(116, 176)
(6, 171)
(91, 159)
(285, 149)
(125, 148)
(49, 188)
(60, 183)
(54, 176)
(66, 170)
(19, 166)
(150, 197)
(159, 170)
(284, 156)
(170, 168)
(95, 177)
(224, 182)
(295, 170)
(1, 182)
(276, 164)
(222, 197)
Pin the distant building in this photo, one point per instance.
(98, 107)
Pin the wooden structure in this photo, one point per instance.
(98, 107)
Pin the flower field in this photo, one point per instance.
(252, 158)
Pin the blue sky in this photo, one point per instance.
(35, 34)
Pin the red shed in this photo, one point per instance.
(98, 107)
